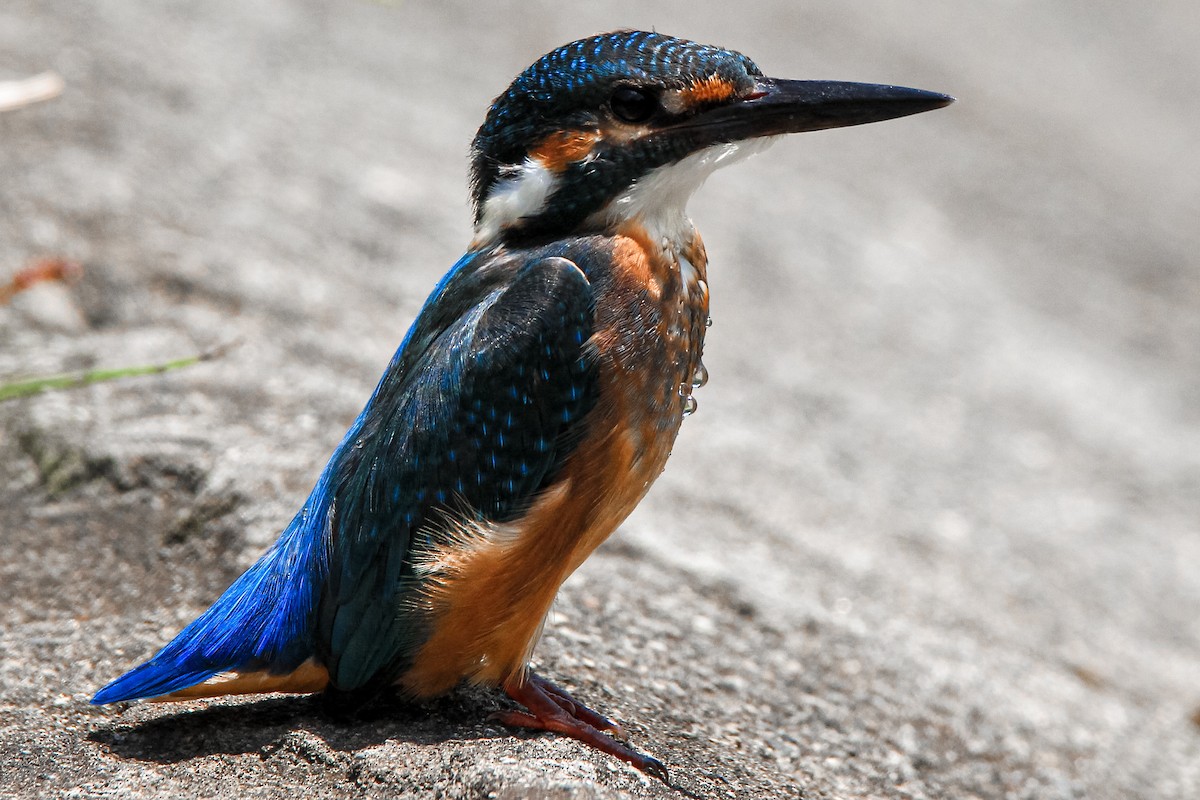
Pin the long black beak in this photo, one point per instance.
(776, 107)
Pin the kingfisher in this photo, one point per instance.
(532, 403)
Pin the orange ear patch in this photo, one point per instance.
(559, 150)
(712, 89)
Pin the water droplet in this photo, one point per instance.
(708, 322)
(700, 376)
(689, 402)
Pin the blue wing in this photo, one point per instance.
(481, 422)
(476, 411)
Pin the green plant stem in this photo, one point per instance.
(71, 380)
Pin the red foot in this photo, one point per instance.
(553, 709)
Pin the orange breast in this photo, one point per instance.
(490, 592)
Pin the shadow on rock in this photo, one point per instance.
(260, 725)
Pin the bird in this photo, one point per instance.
(531, 404)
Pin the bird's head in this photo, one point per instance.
(628, 124)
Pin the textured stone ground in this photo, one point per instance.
(933, 533)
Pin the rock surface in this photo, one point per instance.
(933, 533)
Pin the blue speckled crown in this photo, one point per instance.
(563, 88)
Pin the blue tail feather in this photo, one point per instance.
(264, 620)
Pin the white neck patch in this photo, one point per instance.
(658, 200)
(522, 195)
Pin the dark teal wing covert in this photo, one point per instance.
(474, 417)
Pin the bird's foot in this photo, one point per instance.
(554, 709)
(579, 711)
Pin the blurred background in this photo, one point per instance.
(934, 531)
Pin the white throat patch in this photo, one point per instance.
(658, 200)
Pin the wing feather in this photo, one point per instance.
(477, 424)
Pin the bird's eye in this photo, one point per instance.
(631, 104)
